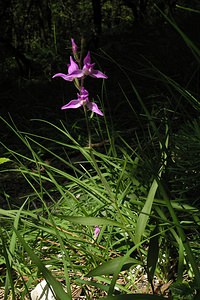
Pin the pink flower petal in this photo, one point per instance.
(84, 92)
(72, 66)
(75, 74)
(87, 59)
(98, 74)
(93, 107)
(64, 76)
(72, 104)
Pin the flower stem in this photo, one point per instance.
(88, 126)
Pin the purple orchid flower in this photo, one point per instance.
(96, 231)
(75, 72)
(88, 68)
(83, 100)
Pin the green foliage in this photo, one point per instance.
(57, 287)
(4, 160)
(182, 290)
(153, 254)
(95, 189)
(186, 160)
(110, 267)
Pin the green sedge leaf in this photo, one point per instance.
(110, 267)
(4, 160)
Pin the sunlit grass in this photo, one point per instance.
(55, 225)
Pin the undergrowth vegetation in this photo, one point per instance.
(103, 215)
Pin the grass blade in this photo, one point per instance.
(56, 286)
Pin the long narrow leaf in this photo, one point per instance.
(153, 252)
(91, 221)
(145, 213)
(110, 267)
(56, 286)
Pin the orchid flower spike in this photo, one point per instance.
(83, 100)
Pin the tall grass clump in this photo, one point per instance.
(103, 216)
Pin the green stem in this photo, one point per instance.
(103, 180)
(88, 127)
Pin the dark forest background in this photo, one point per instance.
(35, 43)
(36, 33)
